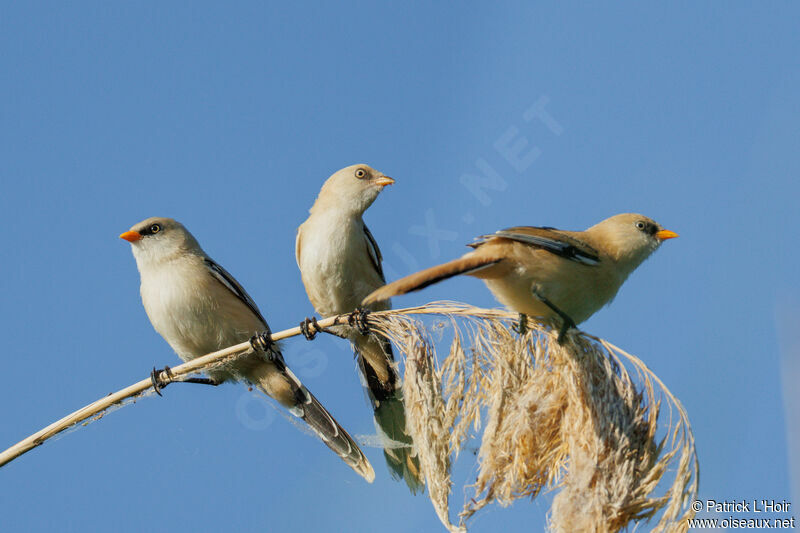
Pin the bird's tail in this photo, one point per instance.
(336, 437)
(471, 263)
(284, 386)
(375, 360)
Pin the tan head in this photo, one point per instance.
(158, 238)
(630, 238)
(352, 188)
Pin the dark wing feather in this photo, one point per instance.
(374, 252)
(552, 240)
(225, 277)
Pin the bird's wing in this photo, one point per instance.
(374, 252)
(224, 277)
(297, 248)
(550, 239)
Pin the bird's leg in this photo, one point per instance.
(158, 383)
(521, 327)
(201, 381)
(566, 321)
(358, 320)
(305, 328)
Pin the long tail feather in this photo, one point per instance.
(375, 360)
(336, 437)
(276, 380)
(469, 264)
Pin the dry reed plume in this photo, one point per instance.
(569, 418)
(580, 419)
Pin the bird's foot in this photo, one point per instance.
(262, 342)
(358, 320)
(158, 383)
(306, 328)
(521, 326)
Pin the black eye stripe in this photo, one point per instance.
(149, 229)
(647, 227)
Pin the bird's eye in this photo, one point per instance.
(641, 225)
(155, 228)
(360, 173)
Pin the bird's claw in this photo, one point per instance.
(306, 328)
(262, 342)
(358, 320)
(158, 383)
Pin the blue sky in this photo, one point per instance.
(229, 118)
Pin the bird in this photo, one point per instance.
(340, 263)
(546, 272)
(199, 308)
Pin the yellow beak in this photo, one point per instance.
(131, 236)
(383, 181)
(665, 234)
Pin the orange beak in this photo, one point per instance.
(131, 236)
(665, 234)
(383, 181)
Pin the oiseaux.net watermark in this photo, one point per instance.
(743, 514)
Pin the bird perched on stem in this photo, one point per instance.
(340, 264)
(199, 308)
(546, 272)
